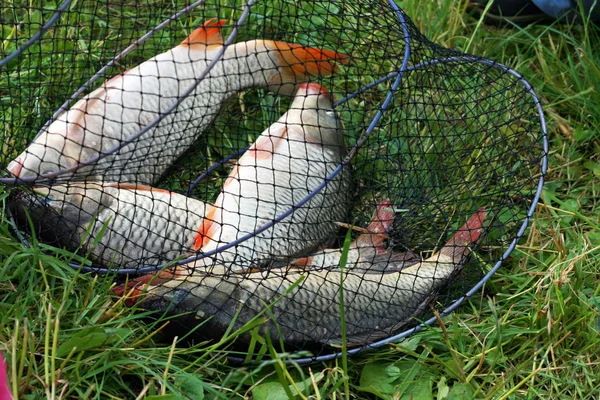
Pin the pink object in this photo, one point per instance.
(4, 390)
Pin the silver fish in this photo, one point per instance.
(118, 224)
(376, 305)
(129, 101)
(288, 161)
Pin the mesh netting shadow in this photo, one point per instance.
(228, 173)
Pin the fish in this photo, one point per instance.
(308, 314)
(128, 102)
(288, 161)
(366, 248)
(118, 224)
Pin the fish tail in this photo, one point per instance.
(135, 288)
(206, 35)
(378, 228)
(297, 63)
(468, 234)
(382, 219)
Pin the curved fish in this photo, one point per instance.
(287, 162)
(129, 101)
(376, 305)
(118, 224)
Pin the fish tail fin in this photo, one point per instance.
(382, 219)
(378, 228)
(135, 288)
(470, 233)
(208, 34)
(298, 63)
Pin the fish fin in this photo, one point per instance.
(301, 263)
(136, 186)
(382, 219)
(297, 63)
(206, 228)
(136, 287)
(208, 34)
(376, 232)
(467, 235)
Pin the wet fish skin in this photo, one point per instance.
(143, 225)
(288, 161)
(376, 305)
(129, 101)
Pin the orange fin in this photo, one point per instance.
(382, 219)
(136, 186)
(207, 226)
(468, 234)
(299, 62)
(207, 35)
(377, 230)
(301, 263)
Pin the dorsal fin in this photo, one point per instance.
(206, 35)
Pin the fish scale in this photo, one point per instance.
(376, 304)
(144, 225)
(130, 101)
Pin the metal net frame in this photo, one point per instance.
(429, 153)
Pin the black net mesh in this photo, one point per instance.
(225, 152)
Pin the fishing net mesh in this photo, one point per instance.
(430, 135)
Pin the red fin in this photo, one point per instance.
(206, 35)
(382, 219)
(467, 235)
(135, 288)
(136, 186)
(298, 62)
(303, 262)
(206, 229)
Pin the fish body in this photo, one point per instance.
(287, 162)
(118, 224)
(376, 305)
(130, 101)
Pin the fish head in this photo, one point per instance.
(194, 299)
(57, 211)
(312, 110)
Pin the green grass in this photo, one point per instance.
(531, 333)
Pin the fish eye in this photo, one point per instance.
(331, 114)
